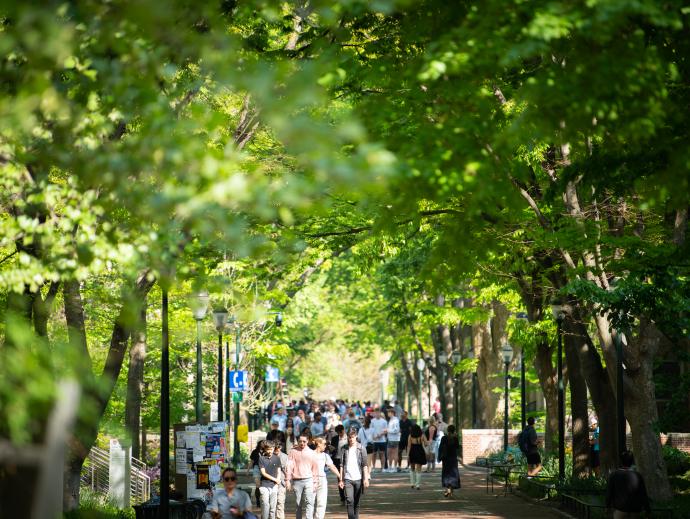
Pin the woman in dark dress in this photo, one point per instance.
(448, 454)
(416, 456)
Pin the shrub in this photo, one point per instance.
(97, 506)
(677, 461)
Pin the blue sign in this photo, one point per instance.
(237, 380)
(272, 374)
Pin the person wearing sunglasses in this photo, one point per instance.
(230, 502)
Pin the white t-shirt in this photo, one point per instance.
(366, 436)
(379, 424)
(394, 429)
(323, 461)
(352, 471)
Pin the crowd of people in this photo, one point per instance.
(308, 440)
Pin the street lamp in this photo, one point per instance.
(199, 304)
(523, 390)
(420, 370)
(443, 360)
(559, 316)
(428, 380)
(507, 353)
(456, 357)
(220, 319)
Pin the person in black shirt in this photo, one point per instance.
(405, 427)
(269, 465)
(626, 493)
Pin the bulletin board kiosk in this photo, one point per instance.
(201, 454)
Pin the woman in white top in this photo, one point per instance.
(365, 436)
(324, 461)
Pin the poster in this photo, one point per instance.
(202, 477)
(181, 466)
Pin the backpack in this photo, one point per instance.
(523, 441)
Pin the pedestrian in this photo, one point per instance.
(229, 502)
(448, 455)
(324, 461)
(317, 428)
(530, 442)
(337, 443)
(416, 455)
(405, 426)
(393, 434)
(282, 493)
(379, 424)
(594, 459)
(437, 405)
(354, 474)
(431, 434)
(279, 417)
(366, 438)
(289, 435)
(626, 492)
(256, 472)
(269, 466)
(302, 476)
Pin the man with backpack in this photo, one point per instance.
(527, 441)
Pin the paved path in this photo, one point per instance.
(390, 497)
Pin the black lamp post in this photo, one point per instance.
(165, 406)
(199, 305)
(620, 396)
(428, 380)
(236, 417)
(443, 361)
(220, 319)
(559, 315)
(523, 388)
(507, 353)
(420, 370)
(456, 357)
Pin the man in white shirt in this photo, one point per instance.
(393, 432)
(354, 473)
(379, 425)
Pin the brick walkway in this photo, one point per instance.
(390, 497)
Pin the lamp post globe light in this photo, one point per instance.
(507, 353)
(456, 357)
(559, 316)
(199, 304)
(220, 319)
(420, 369)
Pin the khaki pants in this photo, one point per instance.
(280, 504)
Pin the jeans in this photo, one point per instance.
(269, 500)
(321, 498)
(304, 496)
(353, 493)
(280, 504)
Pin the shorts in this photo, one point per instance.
(370, 448)
(594, 460)
(393, 445)
(533, 458)
(379, 446)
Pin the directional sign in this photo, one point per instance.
(272, 374)
(237, 396)
(237, 380)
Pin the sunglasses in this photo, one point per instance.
(230, 478)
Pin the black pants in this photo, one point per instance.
(353, 493)
(341, 491)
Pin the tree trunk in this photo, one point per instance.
(135, 382)
(641, 411)
(600, 389)
(97, 394)
(578, 404)
(546, 372)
